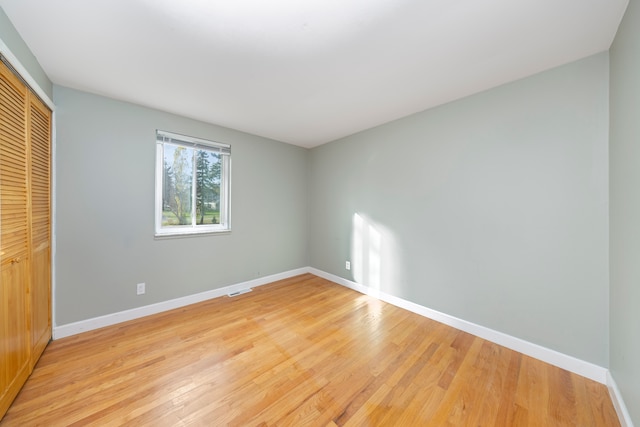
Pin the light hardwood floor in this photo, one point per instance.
(298, 352)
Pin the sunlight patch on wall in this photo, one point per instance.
(373, 254)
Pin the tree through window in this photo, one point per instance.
(192, 185)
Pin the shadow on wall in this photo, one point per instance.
(374, 256)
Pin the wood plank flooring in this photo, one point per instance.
(298, 352)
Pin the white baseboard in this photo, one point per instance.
(135, 313)
(570, 363)
(553, 357)
(618, 402)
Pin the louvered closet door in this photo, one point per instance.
(14, 333)
(39, 128)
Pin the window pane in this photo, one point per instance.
(208, 178)
(177, 183)
(192, 185)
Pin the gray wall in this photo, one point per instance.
(105, 210)
(493, 209)
(18, 47)
(625, 209)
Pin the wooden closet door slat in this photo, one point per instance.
(15, 343)
(39, 133)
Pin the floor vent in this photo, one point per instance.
(240, 292)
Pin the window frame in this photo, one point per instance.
(194, 143)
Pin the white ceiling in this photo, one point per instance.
(305, 72)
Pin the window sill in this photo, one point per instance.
(163, 236)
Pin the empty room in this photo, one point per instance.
(319, 213)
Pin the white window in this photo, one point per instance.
(192, 185)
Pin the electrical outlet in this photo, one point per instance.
(140, 288)
(347, 265)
